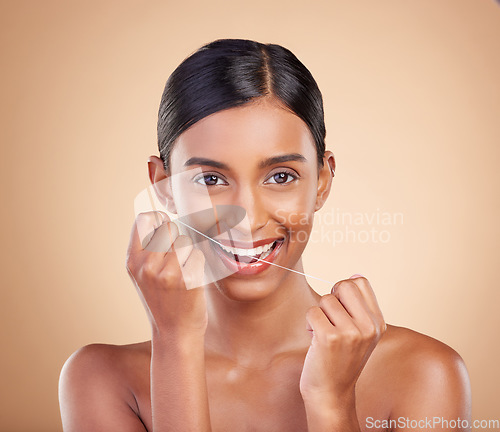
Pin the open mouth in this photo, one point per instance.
(249, 256)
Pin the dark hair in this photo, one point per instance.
(231, 72)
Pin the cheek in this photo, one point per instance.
(295, 216)
(191, 202)
(193, 212)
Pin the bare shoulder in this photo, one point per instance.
(97, 382)
(106, 353)
(409, 351)
(112, 362)
(421, 375)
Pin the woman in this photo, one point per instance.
(256, 349)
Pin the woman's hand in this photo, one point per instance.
(345, 329)
(168, 273)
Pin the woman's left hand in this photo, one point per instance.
(346, 327)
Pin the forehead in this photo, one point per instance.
(252, 132)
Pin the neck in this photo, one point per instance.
(252, 333)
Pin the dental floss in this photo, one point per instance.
(258, 259)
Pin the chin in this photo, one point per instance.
(246, 290)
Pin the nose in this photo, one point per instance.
(249, 198)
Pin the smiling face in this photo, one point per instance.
(262, 158)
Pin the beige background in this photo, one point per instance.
(412, 100)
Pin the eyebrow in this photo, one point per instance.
(290, 157)
(205, 161)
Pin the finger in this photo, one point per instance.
(335, 311)
(182, 247)
(194, 269)
(368, 294)
(144, 225)
(349, 295)
(163, 238)
(317, 321)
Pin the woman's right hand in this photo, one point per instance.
(167, 271)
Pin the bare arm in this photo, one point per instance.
(167, 273)
(178, 384)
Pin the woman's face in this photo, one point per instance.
(260, 158)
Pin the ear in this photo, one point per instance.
(325, 176)
(161, 183)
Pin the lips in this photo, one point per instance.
(248, 261)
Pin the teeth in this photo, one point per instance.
(247, 252)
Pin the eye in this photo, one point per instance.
(210, 180)
(282, 177)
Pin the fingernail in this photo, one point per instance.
(356, 276)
